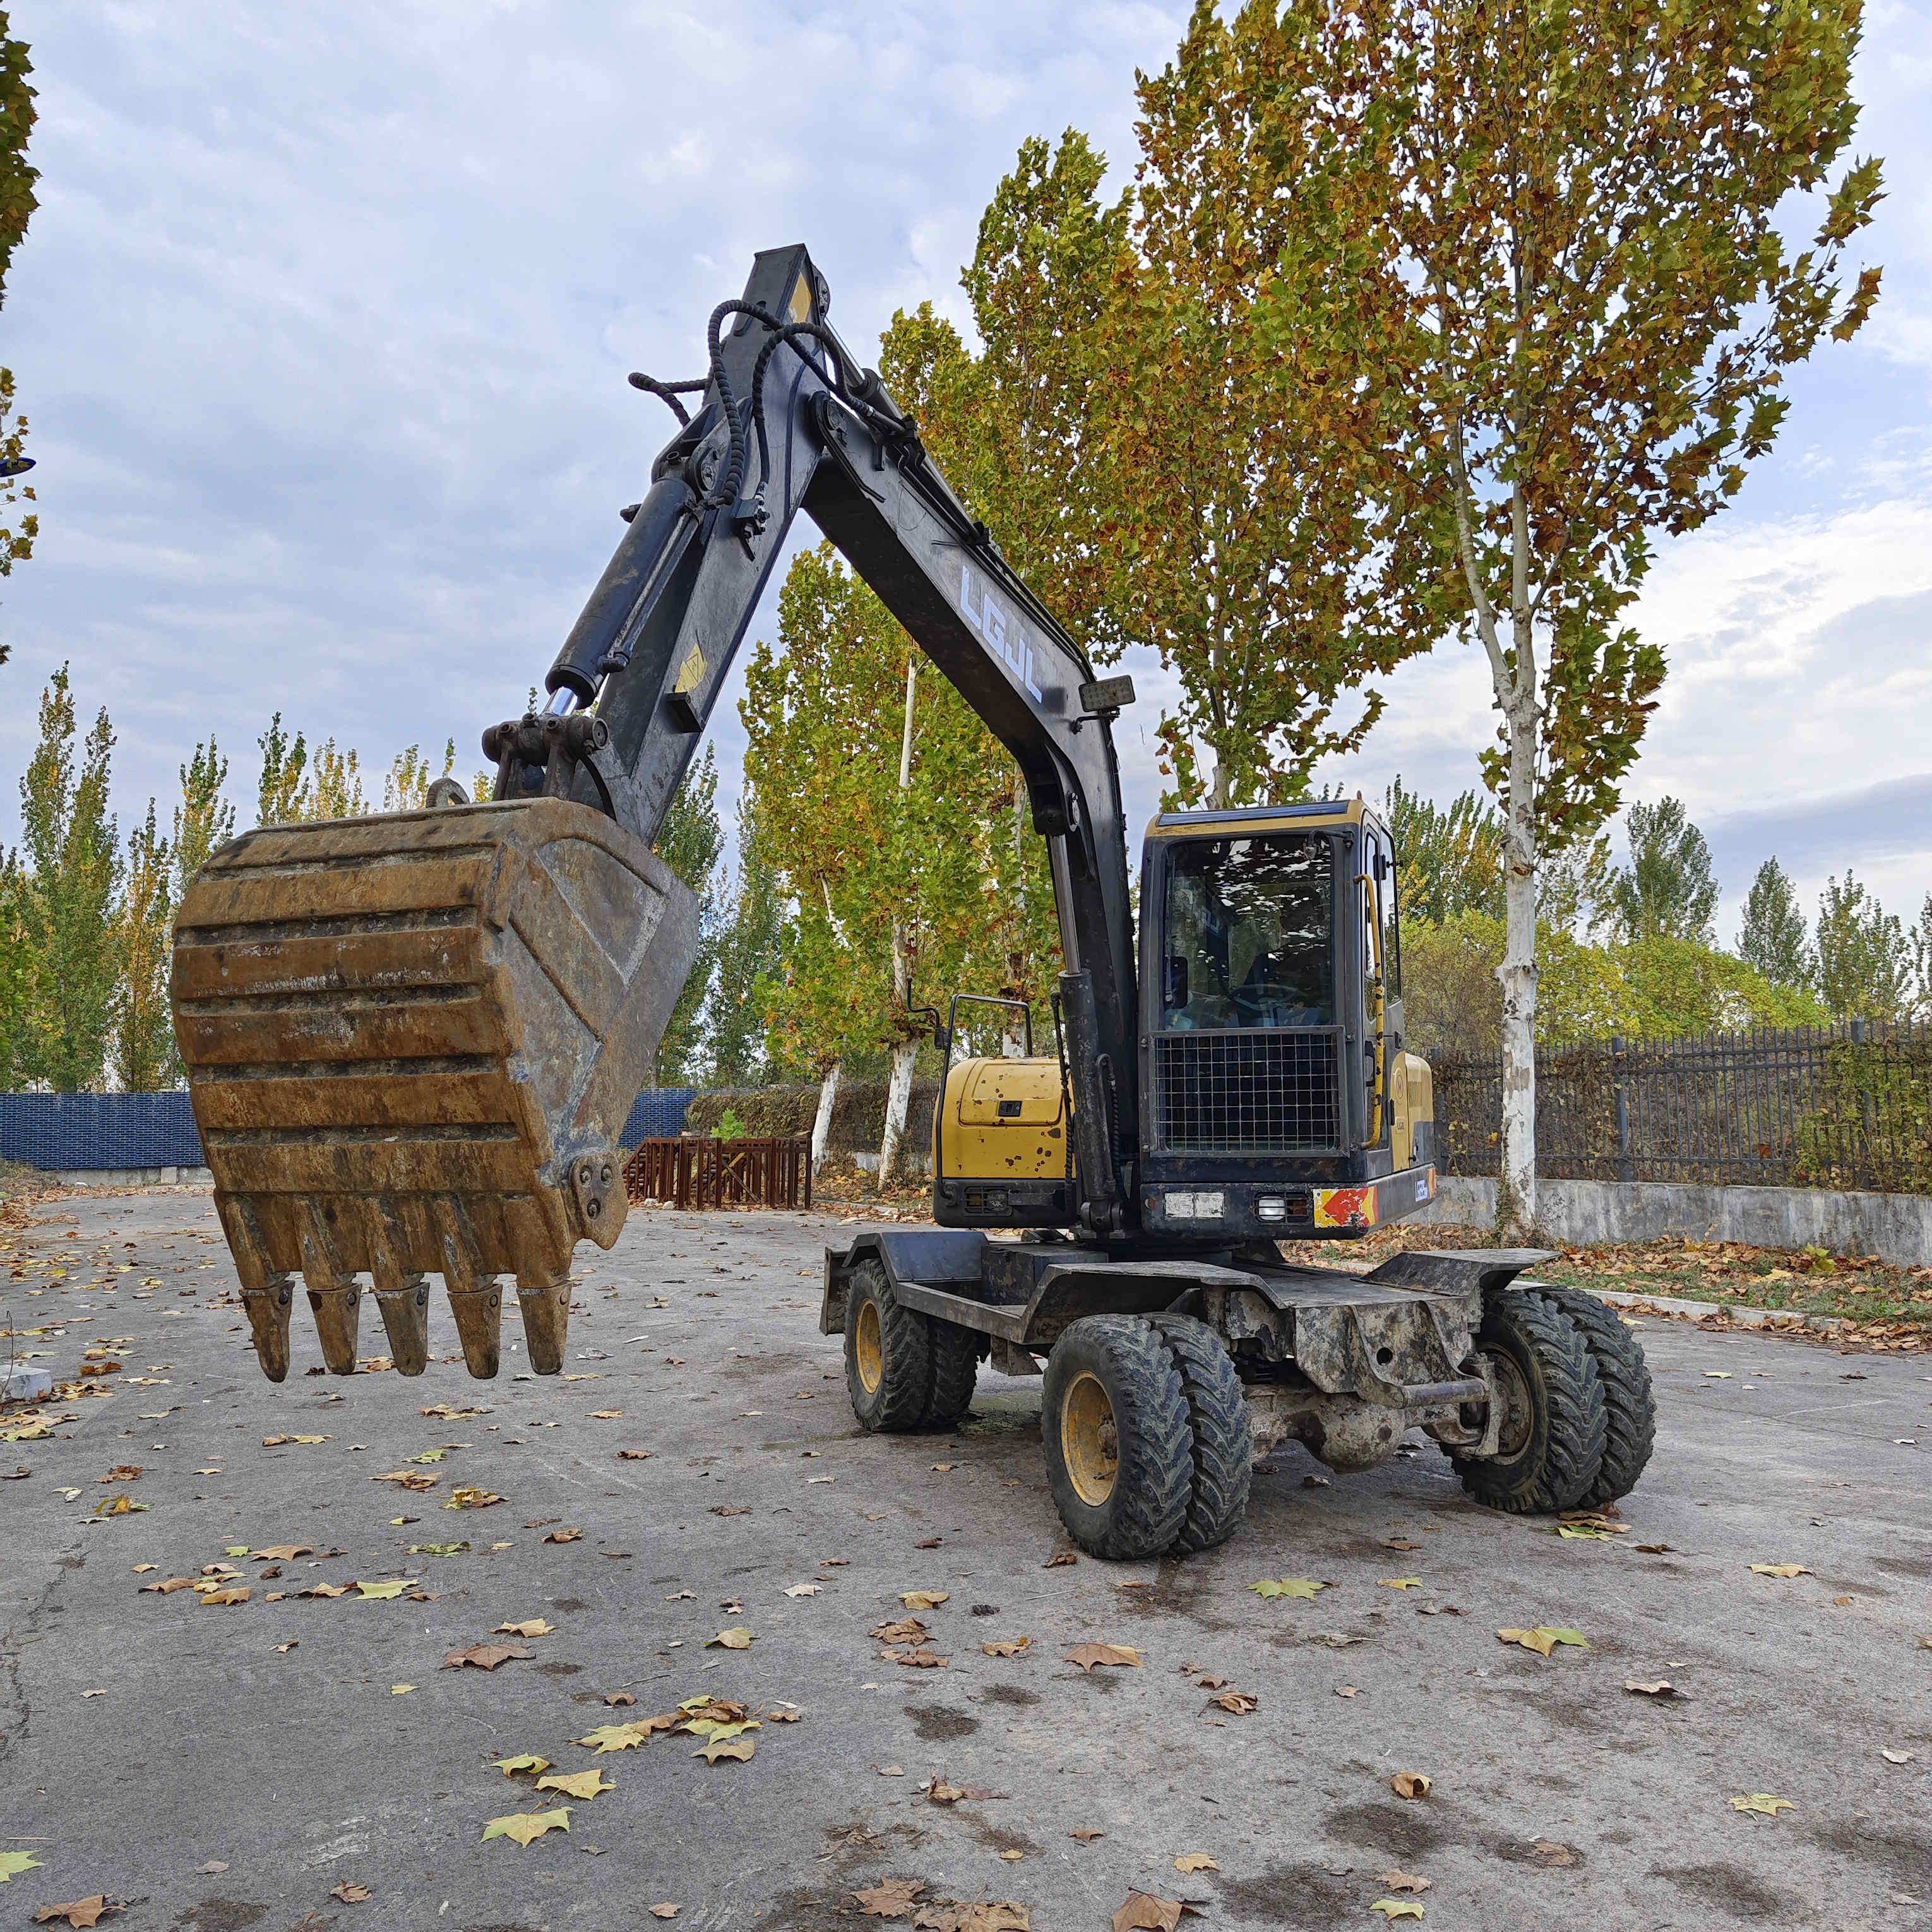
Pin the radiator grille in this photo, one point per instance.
(1269, 1092)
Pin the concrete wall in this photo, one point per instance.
(1897, 1228)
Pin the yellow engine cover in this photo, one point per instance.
(1001, 1120)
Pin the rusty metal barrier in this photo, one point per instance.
(702, 1172)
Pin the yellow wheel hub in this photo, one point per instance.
(1089, 1442)
(868, 1350)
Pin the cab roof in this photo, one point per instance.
(1311, 815)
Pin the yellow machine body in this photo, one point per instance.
(1412, 1126)
(999, 1133)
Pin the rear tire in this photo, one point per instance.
(1630, 1408)
(1119, 1441)
(888, 1355)
(1223, 1449)
(1553, 1427)
(956, 1368)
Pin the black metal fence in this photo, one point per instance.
(1847, 1106)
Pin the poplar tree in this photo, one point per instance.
(73, 858)
(1577, 216)
(1668, 890)
(17, 203)
(143, 1055)
(690, 841)
(1773, 938)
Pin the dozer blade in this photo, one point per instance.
(413, 1041)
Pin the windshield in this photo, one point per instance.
(1247, 931)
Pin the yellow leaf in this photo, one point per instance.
(1006, 1646)
(400, 1690)
(666, 1910)
(386, 1592)
(1087, 1655)
(737, 1638)
(1779, 1570)
(578, 1783)
(531, 1627)
(713, 1749)
(1287, 1586)
(1411, 1784)
(924, 1600)
(1763, 1801)
(1402, 1583)
(1397, 1908)
(1544, 1638)
(510, 1766)
(12, 1864)
(1194, 1862)
(523, 1826)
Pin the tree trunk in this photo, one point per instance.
(1515, 1196)
(821, 1124)
(899, 1089)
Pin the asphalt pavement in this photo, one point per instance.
(260, 1761)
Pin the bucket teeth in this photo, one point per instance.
(267, 1308)
(479, 1326)
(405, 1313)
(546, 1324)
(336, 1298)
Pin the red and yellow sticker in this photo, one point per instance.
(1345, 1207)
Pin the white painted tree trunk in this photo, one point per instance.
(821, 1124)
(905, 1052)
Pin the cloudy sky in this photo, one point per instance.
(322, 326)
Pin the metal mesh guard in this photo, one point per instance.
(1268, 1092)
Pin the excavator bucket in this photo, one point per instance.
(413, 1041)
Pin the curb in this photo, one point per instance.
(1739, 1317)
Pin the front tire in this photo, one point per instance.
(1630, 1408)
(1119, 1439)
(1224, 1443)
(1553, 1426)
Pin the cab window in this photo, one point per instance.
(1246, 932)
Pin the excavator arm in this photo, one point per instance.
(413, 1039)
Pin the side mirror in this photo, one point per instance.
(942, 1036)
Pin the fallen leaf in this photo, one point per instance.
(510, 1766)
(1397, 1908)
(1654, 1549)
(485, 1656)
(213, 1866)
(1060, 1559)
(1087, 1655)
(1662, 1688)
(1145, 1913)
(890, 1898)
(1779, 1570)
(470, 1497)
(714, 1748)
(388, 1590)
(802, 1590)
(1402, 1582)
(12, 1864)
(916, 1659)
(1544, 1639)
(169, 1586)
(578, 1783)
(737, 1638)
(980, 1915)
(120, 1505)
(1763, 1801)
(409, 1479)
(325, 1590)
(1195, 1861)
(618, 1697)
(283, 1649)
(565, 1536)
(1841, 1602)
(523, 1826)
(1287, 1586)
(76, 1912)
(617, 1737)
(1898, 1757)
(284, 1553)
(1087, 1834)
(225, 1596)
(939, 1792)
(924, 1600)
(438, 1549)
(1348, 1691)
(888, 1771)
(635, 1455)
(1716, 1375)
(1009, 1646)
(1402, 1881)
(666, 1910)
(350, 1892)
(1240, 1703)
(400, 1690)
(1400, 1543)
(907, 1629)
(532, 1626)
(1411, 1784)
(1335, 1639)
(606, 1415)
(1546, 1853)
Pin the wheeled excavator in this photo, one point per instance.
(413, 1039)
